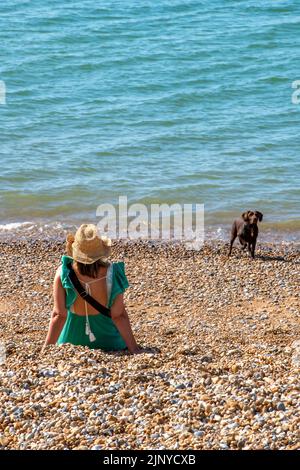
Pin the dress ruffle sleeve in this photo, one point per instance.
(66, 283)
(119, 281)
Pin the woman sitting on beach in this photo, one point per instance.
(88, 296)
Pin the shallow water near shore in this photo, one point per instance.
(59, 230)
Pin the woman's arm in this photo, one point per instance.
(59, 313)
(121, 320)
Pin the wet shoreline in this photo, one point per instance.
(212, 234)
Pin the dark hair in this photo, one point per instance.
(91, 270)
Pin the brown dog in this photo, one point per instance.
(246, 229)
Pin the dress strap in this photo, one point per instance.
(91, 282)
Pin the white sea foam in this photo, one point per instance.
(15, 226)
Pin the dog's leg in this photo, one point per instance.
(231, 244)
(249, 249)
(233, 237)
(253, 249)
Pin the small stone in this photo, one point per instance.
(241, 443)
(281, 406)
(206, 359)
(231, 352)
(180, 386)
(224, 445)
(199, 433)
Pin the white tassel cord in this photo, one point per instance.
(88, 330)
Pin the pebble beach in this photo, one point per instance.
(221, 370)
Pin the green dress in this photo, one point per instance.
(107, 336)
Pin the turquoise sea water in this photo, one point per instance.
(171, 101)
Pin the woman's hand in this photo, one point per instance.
(138, 350)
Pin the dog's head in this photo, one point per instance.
(252, 217)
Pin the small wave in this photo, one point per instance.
(15, 226)
(40, 230)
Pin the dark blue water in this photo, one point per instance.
(169, 101)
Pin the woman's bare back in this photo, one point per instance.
(97, 289)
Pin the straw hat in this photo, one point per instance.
(87, 246)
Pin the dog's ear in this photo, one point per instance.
(259, 215)
(245, 216)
